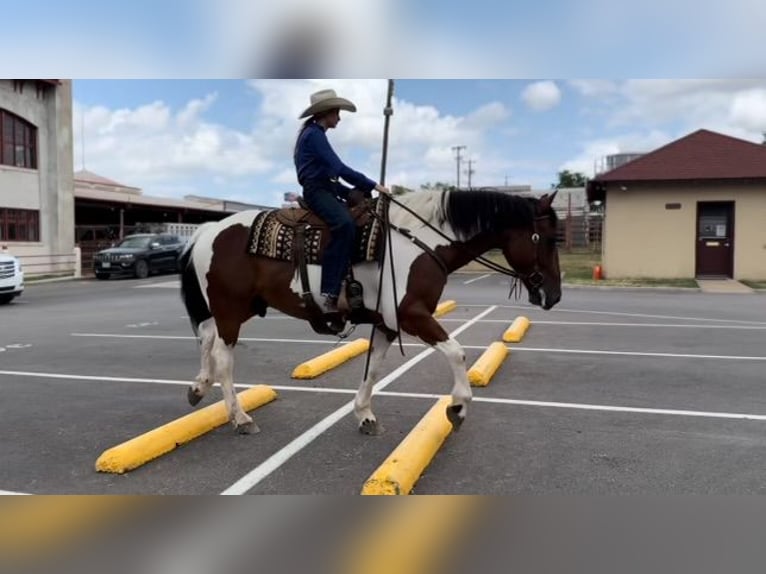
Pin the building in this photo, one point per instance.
(36, 191)
(695, 207)
(106, 211)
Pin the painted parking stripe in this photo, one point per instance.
(515, 348)
(476, 279)
(622, 314)
(408, 395)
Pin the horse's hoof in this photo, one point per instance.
(193, 397)
(453, 416)
(247, 428)
(371, 427)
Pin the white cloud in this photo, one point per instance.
(541, 96)
(165, 149)
(748, 110)
(651, 113)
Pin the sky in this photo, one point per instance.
(233, 138)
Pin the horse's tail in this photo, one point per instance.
(191, 292)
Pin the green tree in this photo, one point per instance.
(439, 186)
(569, 179)
(400, 190)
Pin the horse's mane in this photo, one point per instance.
(470, 212)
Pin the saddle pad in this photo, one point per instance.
(273, 239)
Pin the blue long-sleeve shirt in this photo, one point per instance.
(317, 162)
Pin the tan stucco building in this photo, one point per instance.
(693, 208)
(36, 188)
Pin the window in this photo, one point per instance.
(19, 225)
(19, 141)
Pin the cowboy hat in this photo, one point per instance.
(324, 100)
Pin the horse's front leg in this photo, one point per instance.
(418, 321)
(368, 423)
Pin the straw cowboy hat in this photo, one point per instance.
(324, 100)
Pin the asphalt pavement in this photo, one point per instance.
(614, 391)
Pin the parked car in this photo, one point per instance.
(11, 278)
(139, 255)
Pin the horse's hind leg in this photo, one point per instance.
(368, 423)
(223, 358)
(205, 378)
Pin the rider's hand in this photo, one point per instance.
(382, 189)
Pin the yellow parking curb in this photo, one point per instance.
(330, 360)
(422, 534)
(401, 470)
(516, 331)
(445, 307)
(148, 446)
(484, 369)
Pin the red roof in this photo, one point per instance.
(700, 155)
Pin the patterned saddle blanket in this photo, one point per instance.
(273, 234)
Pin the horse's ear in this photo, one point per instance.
(546, 201)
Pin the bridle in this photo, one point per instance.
(534, 278)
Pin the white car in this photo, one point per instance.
(11, 278)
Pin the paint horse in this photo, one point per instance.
(433, 233)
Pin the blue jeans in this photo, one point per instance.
(337, 255)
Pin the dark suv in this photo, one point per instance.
(139, 255)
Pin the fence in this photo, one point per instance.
(581, 231)
(52, 264)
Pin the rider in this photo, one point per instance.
(318, 168)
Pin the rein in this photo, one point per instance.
(535, 278)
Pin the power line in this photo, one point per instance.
(457, 150)
(470, 171)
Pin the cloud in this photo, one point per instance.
(748, 110)
(642, 115)
(179, 149)
(162, 149)
(541, 96)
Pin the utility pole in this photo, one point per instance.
(470, 171)
(457, 150)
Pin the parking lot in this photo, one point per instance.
(611, 392)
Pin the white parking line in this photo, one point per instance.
(529, 308)
(513, 348)
(263, 470)
(407, 395)
(476, 279)
(174, 284)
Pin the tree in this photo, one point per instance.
(439, 186)
(400, 190)
(569, 179)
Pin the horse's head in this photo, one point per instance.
(533, 254)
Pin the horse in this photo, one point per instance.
(432, 234)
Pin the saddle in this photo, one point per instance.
(298, 235)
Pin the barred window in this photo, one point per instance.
(18, 141)
(19, 225)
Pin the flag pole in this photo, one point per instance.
(388, 111)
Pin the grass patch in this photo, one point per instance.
(753, 283)
(577, 267)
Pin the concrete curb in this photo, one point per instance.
(482, 371)
(331, 359)
(153, 444)
(402, 469)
